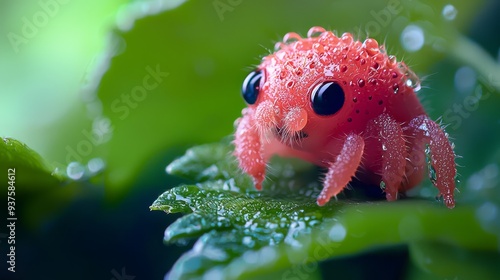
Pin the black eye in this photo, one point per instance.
(251, 86)
(327, 98)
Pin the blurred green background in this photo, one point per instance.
(74, 87)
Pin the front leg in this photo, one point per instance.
(442, 156)
(248, 149)
(387, 145)
(341, 171)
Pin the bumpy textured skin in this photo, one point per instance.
(379, 135)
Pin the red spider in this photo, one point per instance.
(345, 105)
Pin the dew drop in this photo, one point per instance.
(411, 78)
(315, 31)
(291, 37)
(337, 233)
(361, 83)
(412, 38)
(465, 80)
(371, 46)
(362, 61)
(247, 240)
(392, 60)
(395, 88)
(318, 47)
(328, 38)
(346, 38)
(415, 84)
(382, 183)
(343, 68)
(290, 84)
(449, 12)
(278, 46)
(75, 170)
(95, 165)
(487, 212)
(382, 49)
(299, 45)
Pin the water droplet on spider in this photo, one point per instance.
(449, 12)
(278, 46)
(412, 38)
(392, 60)
(412, 79)
(382, 185)
(413, 83)
(318, 48)
(384, 147)
(75, 170)
(315, 31)
(395, 88)
(371, 46)
(95, 165)
(291, 37)
(346, 39)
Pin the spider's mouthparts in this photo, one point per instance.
(282, 134)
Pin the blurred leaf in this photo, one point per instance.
(249, 233)
(40, 189)
(450, 261)
(30, 169)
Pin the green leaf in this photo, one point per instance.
(246, 233)
(39, 189)
(30, 168)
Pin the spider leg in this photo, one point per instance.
(248, 150)
(343, 168)
(442, 156)
(385, 136)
